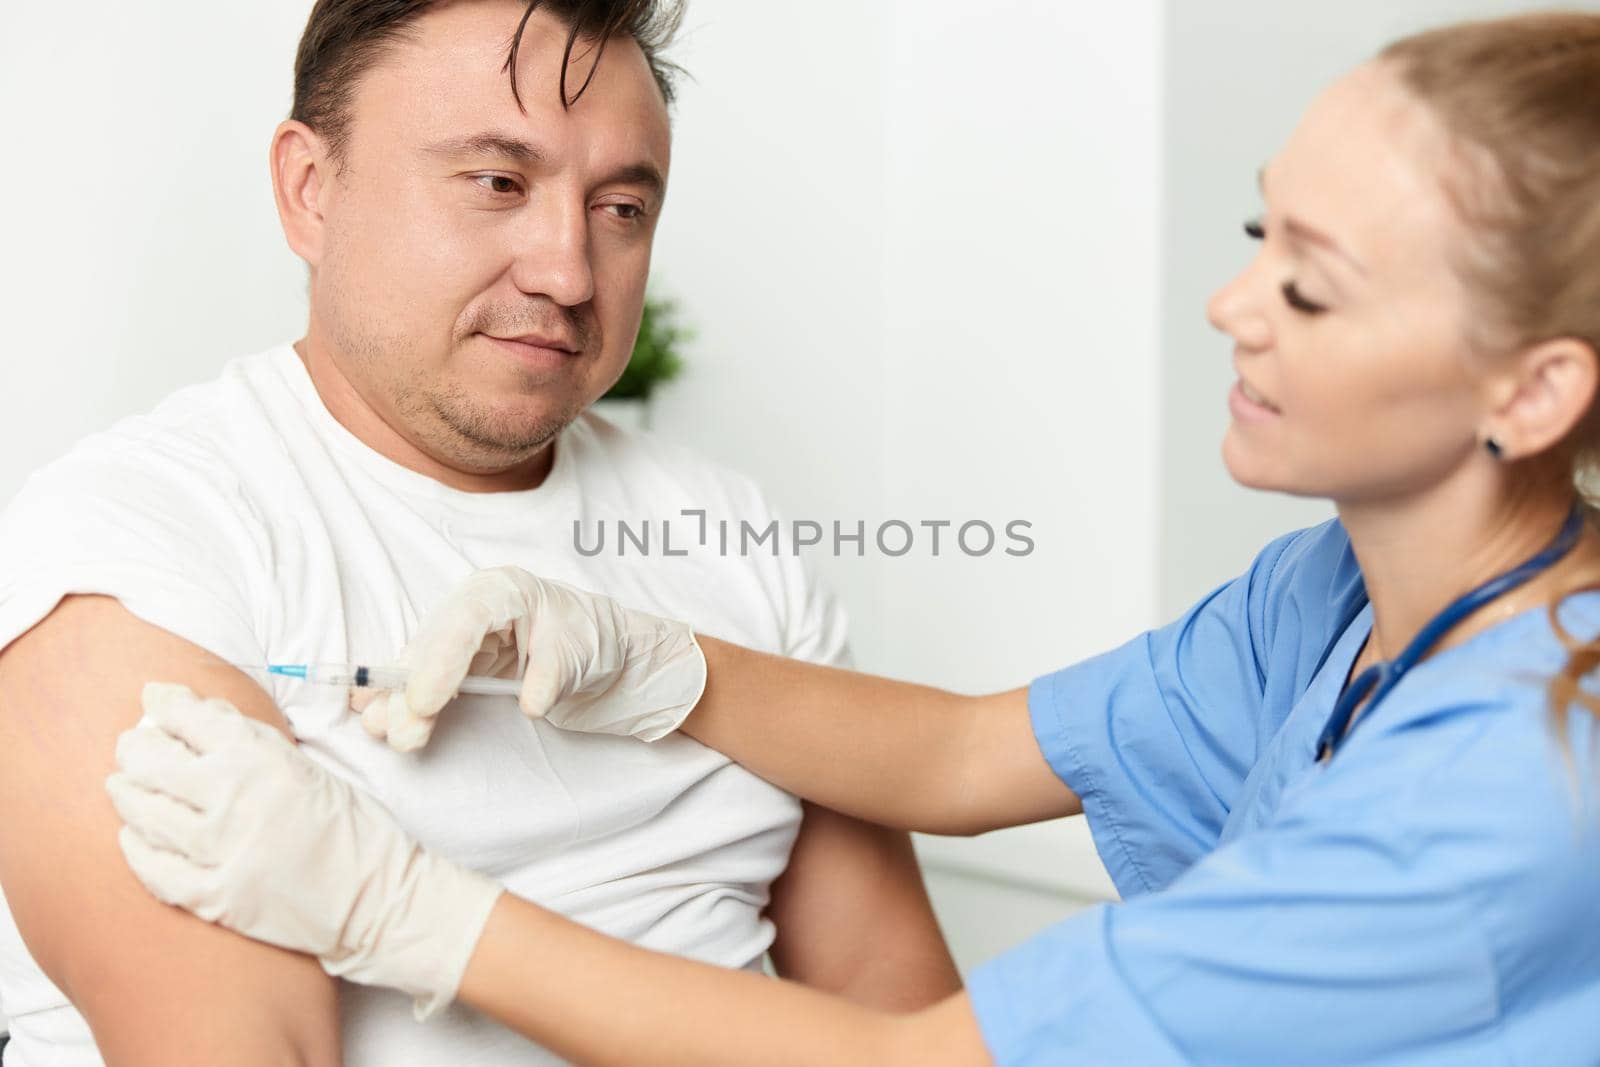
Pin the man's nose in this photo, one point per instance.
(552, 253)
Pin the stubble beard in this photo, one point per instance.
(451, 423)
(489, 435)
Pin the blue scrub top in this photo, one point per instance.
(1430, 896)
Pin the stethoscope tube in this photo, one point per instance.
(1381, 678)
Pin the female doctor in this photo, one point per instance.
(1350, 798)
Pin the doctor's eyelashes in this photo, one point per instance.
(1256, 230)
(1295, 299)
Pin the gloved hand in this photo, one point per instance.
(586, 662)
(225, 817)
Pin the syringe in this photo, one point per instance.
(356, 676)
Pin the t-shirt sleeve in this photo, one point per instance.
(814, 624)
(1158, 736)
(155, 525)
(816, 630)
(1350, 930)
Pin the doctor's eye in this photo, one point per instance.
(1255, 230)
(1292, 294)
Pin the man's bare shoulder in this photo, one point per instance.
(141, 973)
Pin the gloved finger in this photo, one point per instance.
(441, 654)
(408, 731)
(203, 725)
(375, 712)
(170, 878)
(155, 760)
(545, 680)
(361, 696)
(437, 662)
(160, 819)
(498, 657)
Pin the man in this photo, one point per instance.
(478, 231)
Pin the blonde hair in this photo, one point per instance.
(1520, 98)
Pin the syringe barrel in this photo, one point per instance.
(357, 676)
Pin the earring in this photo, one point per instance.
(1495, 448)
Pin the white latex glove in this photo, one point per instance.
(225, 817)
(587, 663)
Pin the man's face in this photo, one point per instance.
(483, 270)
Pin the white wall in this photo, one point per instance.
(773, 241)
(894, 223)
(143, 247)
(1024, 154)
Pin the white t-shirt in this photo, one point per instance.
(241, 516)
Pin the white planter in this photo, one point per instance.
(626, 414)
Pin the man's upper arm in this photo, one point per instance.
(156, 985)
(853, 917)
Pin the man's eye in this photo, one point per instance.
(626, 212)
(499, 184)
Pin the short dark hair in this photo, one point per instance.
(343, 39)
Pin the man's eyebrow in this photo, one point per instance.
(1308, 234)
(642, 173)
(502, 145)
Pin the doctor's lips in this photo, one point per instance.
(1246, 401)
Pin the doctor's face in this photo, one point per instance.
(1350, 325)
(483, 269)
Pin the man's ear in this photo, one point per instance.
(1542, 396)
(302, 172)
